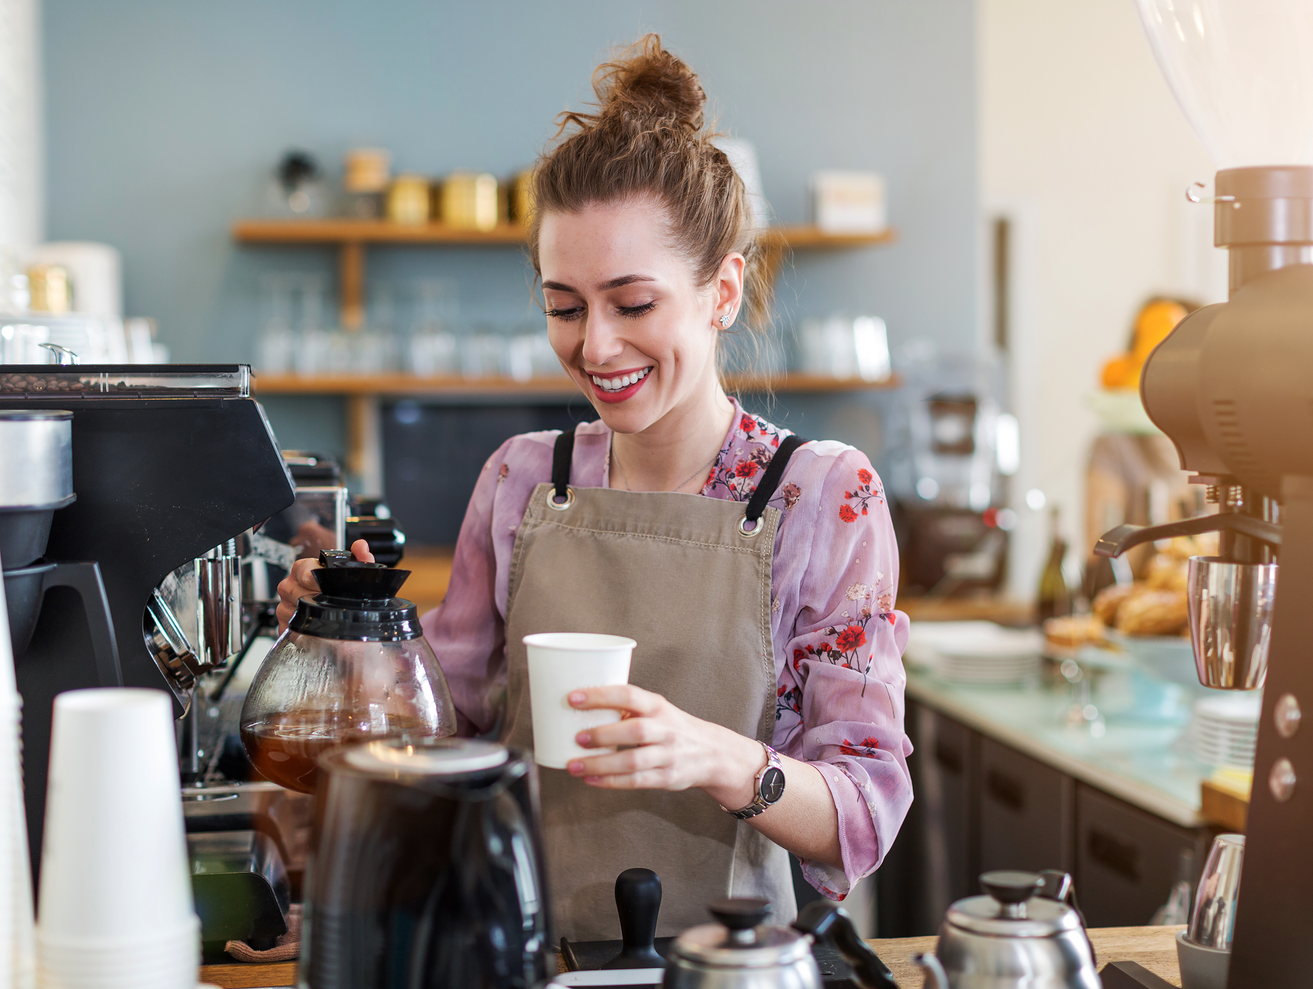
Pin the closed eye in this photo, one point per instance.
(565, 315)
(634, 311)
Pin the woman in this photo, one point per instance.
(756, 574)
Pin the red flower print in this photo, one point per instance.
(860, 497)
(791, 493)
(850, 638)
(866, 747)
(502, 471)
(747, 423)
(782, 691)
(789, 701)
(745, 469)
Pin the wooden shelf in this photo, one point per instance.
(351, 237)
(343, 231)
(397, 385)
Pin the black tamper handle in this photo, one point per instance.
(638, 901)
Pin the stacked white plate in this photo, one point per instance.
(1224, 729)
(975, 652)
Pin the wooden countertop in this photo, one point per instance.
(1152, 947)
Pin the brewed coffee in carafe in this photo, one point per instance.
(351, 666)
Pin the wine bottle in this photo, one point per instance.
(1054, 595)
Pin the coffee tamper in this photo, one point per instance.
(638, 901)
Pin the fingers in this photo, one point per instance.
(296, 585)
(630, 731)
(360, 549)
(632, 769)
(622, 697)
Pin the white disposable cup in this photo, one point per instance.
(562, 662)
(114, 857)
(168, 960)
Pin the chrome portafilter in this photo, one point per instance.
(1230, 608)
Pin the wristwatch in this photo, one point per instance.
(770, 786)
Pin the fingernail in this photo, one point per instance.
(583, 738)
(592, 779)
(576, 767)
(577, 697)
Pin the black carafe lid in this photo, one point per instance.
(356, 603)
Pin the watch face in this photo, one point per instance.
(772, 784)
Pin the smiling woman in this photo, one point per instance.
(756, 571)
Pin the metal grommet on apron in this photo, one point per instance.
(689, 579)
(750, 525)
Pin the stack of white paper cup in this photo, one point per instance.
(561, 662)
(116, 904)
(17, 950)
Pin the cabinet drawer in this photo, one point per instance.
(949, 774)
(1126, 859)
(1026, 812)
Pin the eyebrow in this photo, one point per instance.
(613, 283)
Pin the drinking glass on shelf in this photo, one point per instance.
(432, 353)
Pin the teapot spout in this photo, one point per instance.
(936, 977)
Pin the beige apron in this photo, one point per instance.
(673, 572)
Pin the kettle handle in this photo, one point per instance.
(826, 922)
(935, 976)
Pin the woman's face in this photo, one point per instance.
(625, 316)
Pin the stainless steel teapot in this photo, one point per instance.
(741, 951)
(1025, 932)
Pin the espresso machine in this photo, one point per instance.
(165, 471)
(1231, 386)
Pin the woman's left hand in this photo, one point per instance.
(671, 749)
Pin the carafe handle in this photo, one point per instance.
(824, 921)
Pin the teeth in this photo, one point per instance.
(622, 382)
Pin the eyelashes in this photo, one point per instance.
(570, 315)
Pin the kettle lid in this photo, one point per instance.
(741, 938)
(1012, 908)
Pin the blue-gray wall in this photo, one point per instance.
(164, 119)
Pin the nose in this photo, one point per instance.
(601, 342)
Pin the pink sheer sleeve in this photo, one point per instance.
(841, 687)
(466, 630)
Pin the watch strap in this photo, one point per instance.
(759, 800)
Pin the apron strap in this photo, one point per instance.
(771, 479)
(562, 455)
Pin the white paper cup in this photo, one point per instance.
(561, 662)
(114, 857)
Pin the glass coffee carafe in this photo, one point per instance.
(351, 666)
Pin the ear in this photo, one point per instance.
(729, 290)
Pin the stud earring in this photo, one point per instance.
(724, 320)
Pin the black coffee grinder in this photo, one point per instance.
(147, 468)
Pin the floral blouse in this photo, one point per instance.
(838, 640)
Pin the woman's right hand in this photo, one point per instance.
(299, 582)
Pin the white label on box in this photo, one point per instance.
(849, 202)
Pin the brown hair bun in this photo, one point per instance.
(649, 84)
(646, 139)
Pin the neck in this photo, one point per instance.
(682, 443)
